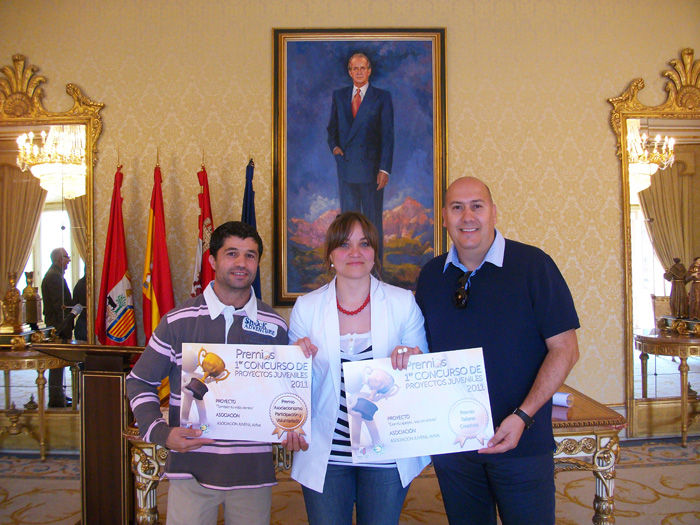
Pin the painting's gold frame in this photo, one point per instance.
(281, 37)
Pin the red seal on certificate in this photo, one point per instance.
(288, 412)
(468, 419)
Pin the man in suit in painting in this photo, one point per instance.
(361, 137)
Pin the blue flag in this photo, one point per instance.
(248, 214)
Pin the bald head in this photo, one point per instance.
(470, 216)
(467, 182)
(60, 257)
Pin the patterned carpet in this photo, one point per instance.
(657, 482)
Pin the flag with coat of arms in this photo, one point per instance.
(115, 323)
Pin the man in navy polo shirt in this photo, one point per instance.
(511, 300)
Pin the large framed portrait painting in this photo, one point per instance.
(381, 151)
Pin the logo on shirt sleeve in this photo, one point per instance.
(259, 327)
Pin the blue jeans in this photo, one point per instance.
(377, 492)
(472, 485)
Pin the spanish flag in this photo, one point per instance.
(157, 285)
(116, 322)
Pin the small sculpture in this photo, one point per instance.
(693, 277)
(32, 303)
(11, 308)
(679, 296)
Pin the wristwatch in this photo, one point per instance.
(526, 419)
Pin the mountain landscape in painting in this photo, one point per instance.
(408, 245)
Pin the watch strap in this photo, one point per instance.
(526, 419)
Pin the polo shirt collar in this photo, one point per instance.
(216, 307)
(493, 256)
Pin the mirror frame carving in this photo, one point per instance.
(21, 97)
(683, 102)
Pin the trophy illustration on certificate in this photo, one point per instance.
(363, 406)
(213, 367)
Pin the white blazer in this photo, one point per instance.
(396, 320)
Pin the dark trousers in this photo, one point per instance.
(365, 198)
(57, 392)
(473, 485)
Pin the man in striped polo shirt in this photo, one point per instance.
(205, 473)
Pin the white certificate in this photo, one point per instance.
(439, 404)
(246, 392)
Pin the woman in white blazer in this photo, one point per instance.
(355, 317)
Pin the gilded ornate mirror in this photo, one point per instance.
(661, 218)
(42, 174)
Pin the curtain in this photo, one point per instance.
(21, 203)
(666, 205)
(77, 213)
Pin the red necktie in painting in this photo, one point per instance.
(356, 101)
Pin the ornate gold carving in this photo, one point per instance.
(571, 447)
(20, 94)
(15, 427)
(12, 308)
(18, 343)
(683, 91)
(685, 81)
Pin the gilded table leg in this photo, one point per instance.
(604, 460)
(40, 384)
(7, 390)
(147, 464)
(74, 369)
(644, 357)
(683, 367)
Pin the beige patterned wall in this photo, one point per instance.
(527, 83)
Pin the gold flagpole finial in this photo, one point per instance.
(119, 160)
(157, 155)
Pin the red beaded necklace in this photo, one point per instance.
(354, 312)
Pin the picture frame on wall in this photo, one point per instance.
(399, 128)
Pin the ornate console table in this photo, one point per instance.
(29, 360)
(590, 430)
(661, 342)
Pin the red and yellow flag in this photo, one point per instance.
(203, 272)
(116, 322)
(157, 284)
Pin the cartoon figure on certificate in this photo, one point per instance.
(363, 405)
(212, 366)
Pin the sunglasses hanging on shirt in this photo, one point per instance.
(462, 291)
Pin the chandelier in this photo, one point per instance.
(59, 162)
(642, 162)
